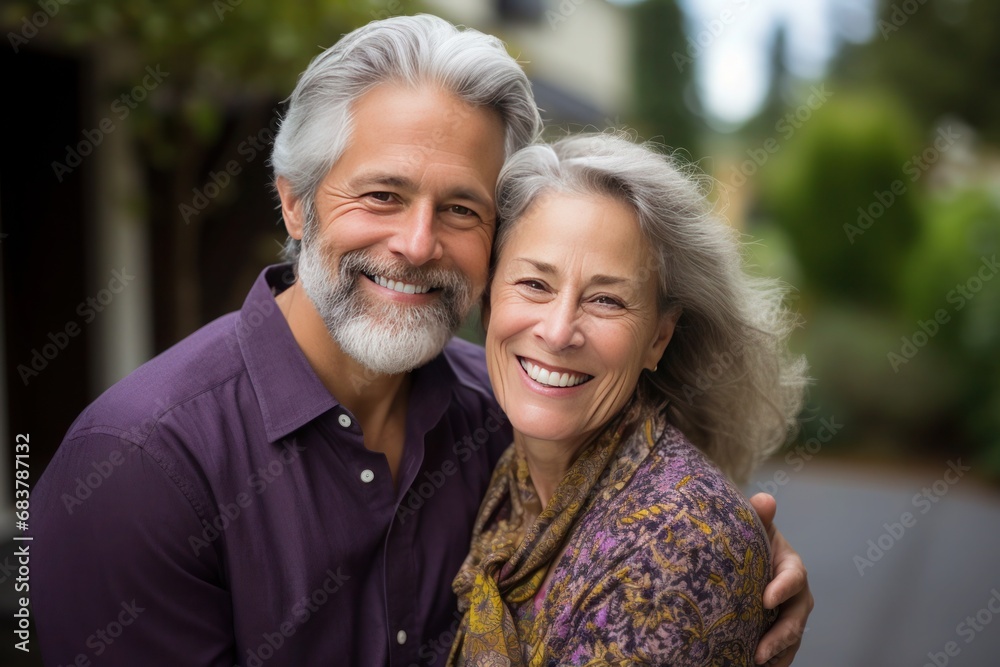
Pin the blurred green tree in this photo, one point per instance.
(843, 194)
(666, 106)
(939, 56)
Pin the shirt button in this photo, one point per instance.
(344, 420)
(367, 476)
(401, 636)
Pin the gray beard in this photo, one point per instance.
(384, 337)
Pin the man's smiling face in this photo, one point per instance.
(397, 249)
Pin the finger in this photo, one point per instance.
(766, 507)
(779, 655)
(785, 635)
(790, 579)
(783, 659)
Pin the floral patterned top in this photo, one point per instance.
(662, 562)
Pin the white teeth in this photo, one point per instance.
(552, 378)
(400, 286)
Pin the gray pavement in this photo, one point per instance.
(904, 563)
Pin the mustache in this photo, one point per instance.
(362, 262)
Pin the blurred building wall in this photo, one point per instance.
(580, 49)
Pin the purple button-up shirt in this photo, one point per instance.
(218, 507)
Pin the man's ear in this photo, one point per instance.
(291, 208)
(664, 332)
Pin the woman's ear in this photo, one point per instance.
(291, 208)
(664, 332)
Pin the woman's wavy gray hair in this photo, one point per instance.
(726, 379)
(410, 50)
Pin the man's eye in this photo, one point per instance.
(461, 210)
(384, 197)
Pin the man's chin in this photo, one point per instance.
(385, 353)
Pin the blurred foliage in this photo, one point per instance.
(888, 197)
(849, 230)
(219, 54)
(939, 56)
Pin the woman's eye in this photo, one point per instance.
(609, 301)
(533, 285)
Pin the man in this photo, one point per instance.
(295, 483)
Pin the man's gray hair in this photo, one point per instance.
(726, 379)
(410, 50)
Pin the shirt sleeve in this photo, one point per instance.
(690, 594)
(121, 572)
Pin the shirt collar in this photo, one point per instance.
(288, 391)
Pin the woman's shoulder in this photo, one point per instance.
(671, 567)
(679, 493)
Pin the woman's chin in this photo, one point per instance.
(553, 428)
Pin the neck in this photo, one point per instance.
(377, 401)
(548, 461)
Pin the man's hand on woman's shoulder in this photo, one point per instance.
(789, 591)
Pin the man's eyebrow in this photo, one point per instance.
(599, 279)
(385, 179)
(373, 178)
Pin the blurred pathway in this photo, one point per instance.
(904, 565)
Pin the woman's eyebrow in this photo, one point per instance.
(599, 279)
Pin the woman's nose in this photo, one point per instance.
(559, 327)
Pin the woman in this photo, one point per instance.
(639, 366)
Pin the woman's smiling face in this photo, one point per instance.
(573, 316)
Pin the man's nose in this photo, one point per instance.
(416, 239)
